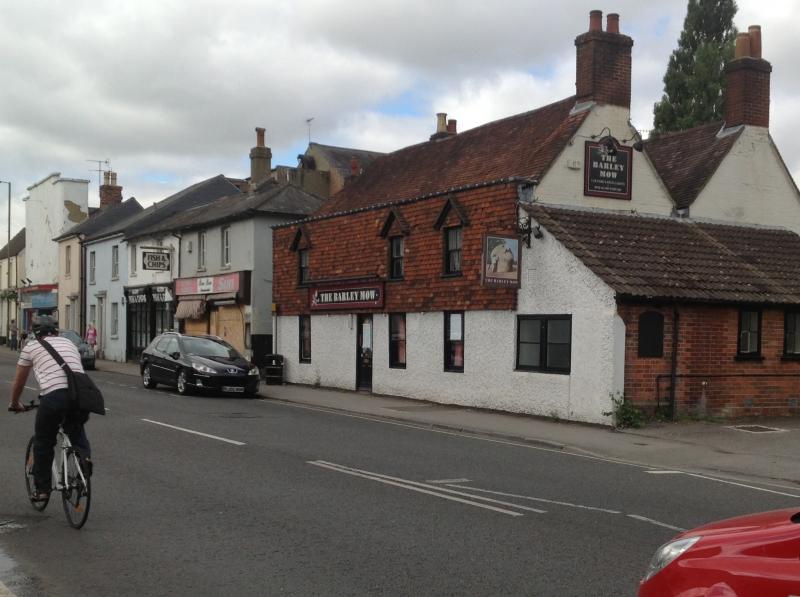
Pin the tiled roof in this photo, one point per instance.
(17, 245)
(105, 219)
(339, 157)
(521, 145)
(270, 197)
(682, 259)
(686, 160)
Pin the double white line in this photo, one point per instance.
(440, 492)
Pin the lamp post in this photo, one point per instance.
(8, 264)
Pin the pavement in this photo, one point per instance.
(706, 447)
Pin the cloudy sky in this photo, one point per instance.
(170, 91)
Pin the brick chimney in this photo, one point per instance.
(260, 160)
(444, 128)
(747, 80)
(110, 192)
(603, 72)
(355, 167)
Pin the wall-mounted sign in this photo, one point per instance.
(500, 261)
(347, 296)
(607, 173)
(155, 261)
(208, 284)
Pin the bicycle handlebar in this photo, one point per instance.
(33, 404)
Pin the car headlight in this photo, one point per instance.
(253, 371)
(202, 368)
(667, 553)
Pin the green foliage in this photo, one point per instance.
(694, 84)
(8, 295)
(625, 414)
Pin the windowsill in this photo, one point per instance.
(225, 266)
(132, 274)
(748, 357)
(453, 370)
(397, 366)
(305, 362)
(541, 370)
(92, 283)
(395, 279)
(201, 269)
(453, 275)
(114, 278)
(791, 357)
(114, 336)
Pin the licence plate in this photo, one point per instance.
(232, 389)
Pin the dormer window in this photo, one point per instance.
(452, 251)
(396, 252)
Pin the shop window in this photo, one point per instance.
(791, 346)
(226, 246)
(396, 247)
(92, 264)
(544, 343)
(302, 276)
(114, 319)
(749, 334)
(115, 262)
(651, 334)
(305, 338)
(68, 261)
(201, 250)
(452, 251)
(93, 314)
(397, 340)
(454, 341)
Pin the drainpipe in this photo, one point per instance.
(674, 372)
(84, 298)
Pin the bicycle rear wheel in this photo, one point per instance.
(29, 483)
(77, 492)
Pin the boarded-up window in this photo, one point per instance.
(651, 334)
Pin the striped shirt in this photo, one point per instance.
(47, 371)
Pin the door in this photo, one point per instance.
(171, 364)
(364, 353)
(101, 328)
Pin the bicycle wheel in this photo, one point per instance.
(29, 483)
(77, 492)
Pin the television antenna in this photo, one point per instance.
(308, 124)
(100, 168)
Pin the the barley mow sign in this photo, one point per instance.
(608, 173)
(156, 261)
(350, 296)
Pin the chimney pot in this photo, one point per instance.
(596, 20)
(441, 122)
(754, 31)
(110, 193)
(260, 160)
(451, 126)
(612, 23)
(260, 136)
(112, 179)
(354, 166)
(742, 46)
(106, 177)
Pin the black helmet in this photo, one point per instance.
(44, 325)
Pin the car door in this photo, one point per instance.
(171, 365)
(157, 359)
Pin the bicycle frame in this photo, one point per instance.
(60, 462)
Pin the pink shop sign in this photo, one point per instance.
(208, 284)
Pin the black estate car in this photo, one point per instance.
(87, 352)
(197, 363)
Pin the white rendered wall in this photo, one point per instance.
(143, 277)
(333, 351)
(564, 185)
(751, 186)
(113, 345)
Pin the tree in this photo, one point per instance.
(694, 84)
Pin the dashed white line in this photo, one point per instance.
(655, 522)
(447, 481)
(216, 437)
(537, 499)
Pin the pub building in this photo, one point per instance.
(552, 261)
(149, 312)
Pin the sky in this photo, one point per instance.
(170, 91)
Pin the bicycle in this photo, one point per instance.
(68, 476)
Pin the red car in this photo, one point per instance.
(749, 556)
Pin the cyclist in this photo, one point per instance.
(54, 402)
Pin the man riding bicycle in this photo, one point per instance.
(54, 400)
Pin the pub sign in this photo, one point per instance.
(156, 261)
(500, 261)
(346, 296)
(607, 173)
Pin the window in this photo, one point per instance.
(305, 338)
(452, 251)
(303, 267)
(544, 343)
(226, 246)
(68, 261)
(201, 250)
(134, 262)
(454, 341)
(68, 316)
(396, 246)
(115, 262)
(749, 333)
(397, 340)
(651, 334)
(114, 319)
(92, 261)
(93, 314)
(791, 345)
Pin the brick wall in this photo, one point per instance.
(747, 92)
(350, 246)
(707, 364)
(603, 68)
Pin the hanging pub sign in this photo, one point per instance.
(155, 261)
(607, 169)
(500, 261)
(346, 296)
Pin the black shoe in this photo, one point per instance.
(87, 467)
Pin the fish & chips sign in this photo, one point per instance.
(156, 261)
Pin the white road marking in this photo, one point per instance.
(536, 499)
(655, 522)
(447, 481)
(5, 591)
(745, 485)
(216, 437)
(658, 472)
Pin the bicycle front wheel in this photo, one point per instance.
(77, 492)
(29, 483)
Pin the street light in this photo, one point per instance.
(8, 264)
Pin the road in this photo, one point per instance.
(227, 496)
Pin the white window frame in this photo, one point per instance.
(114, 320)
(201, 250)
(92, 266)
(115, 262)
(134, 260)
(68, 261)
(226, 246)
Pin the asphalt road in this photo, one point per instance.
(279, 499)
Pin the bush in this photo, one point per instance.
(625, 413)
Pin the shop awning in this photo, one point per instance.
(190, 309)
(222, 296)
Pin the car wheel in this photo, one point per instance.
(183, 386)
(147, 378)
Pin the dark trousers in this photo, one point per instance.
(53, 409)
(13, 343)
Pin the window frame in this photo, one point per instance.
(447, 272)
(787, 314)
(651, 314)
(303, 269)
(115, 262)
(397, 259)
(304, 358)
(134, 261)
(114, 320)
(448, 365)
(755, 355)
(92, 267)
(226, 246)
(394, 361)
(68, 261)
(201, 251)
(544, 343)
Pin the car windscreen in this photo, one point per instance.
(202, 347)
(71, 336)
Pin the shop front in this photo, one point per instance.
(216, 305)
(149, 312)
(41, 299)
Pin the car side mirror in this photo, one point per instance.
(175, 355)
